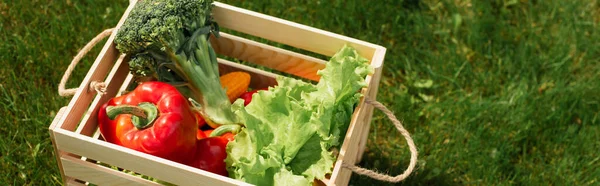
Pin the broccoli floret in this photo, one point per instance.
(143, 65)
(168, 40)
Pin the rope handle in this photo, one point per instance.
(409, 140)
(99, 87)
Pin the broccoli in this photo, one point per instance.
(168, 40)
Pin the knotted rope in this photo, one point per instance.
(411, 147)
(99, 87)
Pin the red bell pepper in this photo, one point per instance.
(211, 151)
(199, 119)
(154, 118)
(201, 134)
(227, 135)
(206, 132)
(210, 155)
(247, 96)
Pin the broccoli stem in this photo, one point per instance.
(200, 65)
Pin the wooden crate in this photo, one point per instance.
(77, 142)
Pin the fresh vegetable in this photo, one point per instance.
(235, 83)
(228, 135)
(247, 96)
(153, 118)
(211, 154)
(199, 119)
(207, 132)
(201, 134)
(168, 40)
(291, 127)
(225, 129)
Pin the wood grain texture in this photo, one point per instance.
(287, 32)
(98, 174)
(372, 94)
(348, 151)
(57, 152)
(268, 56)
(73, 182)
(115, 79)
(142, 163)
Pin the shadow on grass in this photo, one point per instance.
(419, 176)
(412, 4)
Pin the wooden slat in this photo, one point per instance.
(115, 79)
(349, 151)
(82, 98)
(57, 117)
(128, 80)
(259, 78)
(287, 32)
(136, 161)
(73, 182)
(98, 174)
(57, 152)
(372, 94)
(268, 56)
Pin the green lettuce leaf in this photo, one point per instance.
(290, 128)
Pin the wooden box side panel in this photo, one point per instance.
(57, 152)
(372, 94)
(98, 174)
(73, 182)
(349, 151)
(145, 164)
(115, 79)
(364, 131)
(287, 32)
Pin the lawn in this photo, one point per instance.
(499, 92)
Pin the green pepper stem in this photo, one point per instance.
(233, 128)
(143, 115)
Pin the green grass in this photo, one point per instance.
(514, 95)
